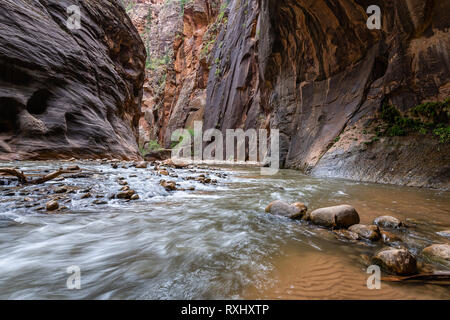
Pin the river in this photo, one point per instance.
(212, 243)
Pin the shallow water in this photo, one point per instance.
(211, 243)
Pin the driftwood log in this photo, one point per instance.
(24, 180)
(441, 278)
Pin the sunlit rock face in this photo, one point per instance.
(69, 92)
(178, 37)
(314, 70)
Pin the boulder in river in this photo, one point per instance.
(396, 261)
(125, 194)
(369, 232)
(168, 185)
(439, 253)
(388, 222)
(291, 211)
(52, 205)
(342, 216)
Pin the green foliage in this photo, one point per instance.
(443, 133)
(152, 145)
(430, 116)
(437, 112)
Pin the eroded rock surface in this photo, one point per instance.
(67, 92)
(313, 70)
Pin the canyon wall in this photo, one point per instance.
(178, 36)
(69, 92)
(314, 70)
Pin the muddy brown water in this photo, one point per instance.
(212, 243)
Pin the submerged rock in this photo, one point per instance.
(291, 211)
(388, 222)
(344, 233)
(397, 261)
(342, 216)
(389, 237)
(438, 253)
(371, 232)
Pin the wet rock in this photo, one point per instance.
(439, 253)
(134, 197)
(141, 165)
(122, 183)
(125, 194)
(61, 190)
(349, 235)
(388, 222)
(99, 202)
(163, 172)
(178, 164)
(125, 188)
(369, 232)
(342, 216)
(73, 168)
(114, 165)
(389, 237)
(52, 205)
(291, 211)
(396, 261)
(85, 196)
(168, 185)
(445, 233)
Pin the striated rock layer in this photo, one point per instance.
(313, 70)
(66, 92)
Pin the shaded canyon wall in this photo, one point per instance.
(313, 70)
(69, 93)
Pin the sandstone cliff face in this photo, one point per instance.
(178, 36)
(315, 71)
(65, 92)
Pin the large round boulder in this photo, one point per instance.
(438, 253)
(371, 232)
(388, 222)
(291, 211)
(342, 216)
(396, 261)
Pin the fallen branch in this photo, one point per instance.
(23, 179)
(50, 176)
(441, 278)
(13, 172)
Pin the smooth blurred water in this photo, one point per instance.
(211, 243)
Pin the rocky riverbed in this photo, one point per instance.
(156, 230)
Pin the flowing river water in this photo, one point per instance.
(209, 243)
